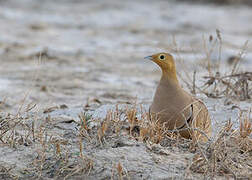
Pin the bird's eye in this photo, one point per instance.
(162, 57)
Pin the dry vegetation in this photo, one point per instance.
(229, 154)
(232, 85)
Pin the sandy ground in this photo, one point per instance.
(75, 53)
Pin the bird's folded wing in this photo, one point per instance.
(188, 120)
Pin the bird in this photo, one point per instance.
(176, 109)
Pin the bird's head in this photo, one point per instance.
(166, 62)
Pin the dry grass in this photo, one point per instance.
(9, 133)
(234, 84)
(6, 173)
(229, 155)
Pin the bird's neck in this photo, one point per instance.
(169, 78)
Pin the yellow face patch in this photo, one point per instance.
(164, 60)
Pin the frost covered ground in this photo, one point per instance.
(61, 58)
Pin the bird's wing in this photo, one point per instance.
(202, 121)
(188, 120)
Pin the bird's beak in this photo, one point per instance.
(149, 57)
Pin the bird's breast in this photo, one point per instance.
(172, 105)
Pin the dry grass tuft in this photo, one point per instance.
(5, 173)
(148, 129)
(14, 130)
(230, 154)
(234, 84)
(120, 171)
